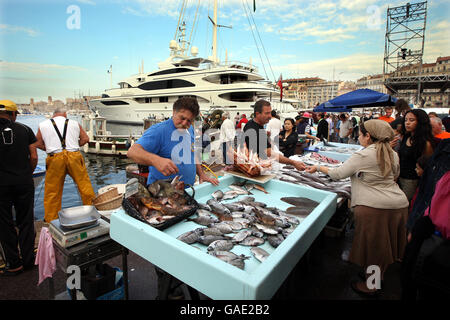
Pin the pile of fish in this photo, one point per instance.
(161, 201)
(322, 158)
(317, 180)
(237, 189)
(340, 149)
(249, 162)
(245, 222)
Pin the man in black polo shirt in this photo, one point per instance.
(17, 162)
(256, 138)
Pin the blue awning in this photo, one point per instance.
(361, 98)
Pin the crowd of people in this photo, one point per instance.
(390, 178)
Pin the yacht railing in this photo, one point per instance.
(234, 64)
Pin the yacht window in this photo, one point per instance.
(169, 71)
(104, 95)
(124, 85)
(163, 99)
(238, 96)
(166, 84)
(114, 103)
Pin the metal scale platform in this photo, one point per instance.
(70, 237)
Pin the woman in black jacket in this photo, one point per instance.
(288, 138)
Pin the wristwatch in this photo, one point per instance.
(318, 167)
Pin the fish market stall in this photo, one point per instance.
(334, 150)
(250, 279)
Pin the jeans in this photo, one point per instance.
(343, 140)
(22, 197)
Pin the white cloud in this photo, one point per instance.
(349, 67)
(6, 28)
(92, 3)
(31, 67)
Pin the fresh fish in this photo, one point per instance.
(288, 179)
(251, 218)
(218, 207)
(230, 195)
(231, 258)
(240, 263)
(252, 241)
(300, 202)
(266, 229)
(238, 237)
(275, 240)
(237, 214)
(207, 240)
(245, 222)
(256, 232)
(260, 188)
(249, 186)
(230, 255)
(204, 220)
(286, 232)
(247, 199)
(190, 236)
(212, 231)
(259, 253)
(290, 219)
(217, 195)
(312, 177)
(257, 204)
(221, 245)
(239, 190)
(202, 212)
(234, 225)
(235, 206)
(175, 180)
(282, 222)
(299, 212)
(248, 209)
(204, 206)
(222, 226)
(265, 218)
(154, 189)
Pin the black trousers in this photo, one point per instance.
(22, 198)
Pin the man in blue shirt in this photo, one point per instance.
(168, 147)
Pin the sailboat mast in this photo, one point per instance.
(215, 32)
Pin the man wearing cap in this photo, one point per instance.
(62, 138)
(304, 126)
(17, 163)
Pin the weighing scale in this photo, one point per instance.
(70, 237)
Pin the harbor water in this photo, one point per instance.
(103, 170)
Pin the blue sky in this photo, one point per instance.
(41, 56)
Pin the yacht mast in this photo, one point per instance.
(215, 33)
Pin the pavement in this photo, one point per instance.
(321, 274)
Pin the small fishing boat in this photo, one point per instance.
(38, 175)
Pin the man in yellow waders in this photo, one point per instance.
(63, 157)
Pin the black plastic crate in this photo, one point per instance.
(96, 285)
(131, 211)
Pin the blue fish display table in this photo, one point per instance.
(211, 276)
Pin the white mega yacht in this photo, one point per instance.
(228, 86)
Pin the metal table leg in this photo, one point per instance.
(125, 270)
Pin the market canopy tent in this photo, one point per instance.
(323, 108)
(361, 98)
